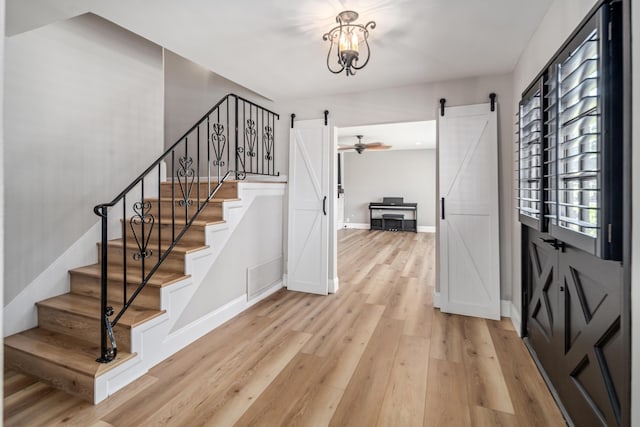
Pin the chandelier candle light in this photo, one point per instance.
(348, 38)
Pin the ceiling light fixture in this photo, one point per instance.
(348, 38)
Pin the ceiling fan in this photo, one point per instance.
(360, 147)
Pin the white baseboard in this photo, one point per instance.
(156, 349)
(356, 225)
(334, 284)
(365, 226)
(505, 308)
(516, 319)
(184, 336)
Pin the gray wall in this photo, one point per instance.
(374, 174)
(85, 117)
(420, 102)
(250, 245)
(191, 90)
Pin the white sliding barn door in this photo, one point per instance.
(307, 266)
(469, 238)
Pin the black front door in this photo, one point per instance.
(594, 363)
(573, 326)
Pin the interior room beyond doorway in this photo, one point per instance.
(397, 161)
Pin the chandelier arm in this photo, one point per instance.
(329, 61)
(366, 42)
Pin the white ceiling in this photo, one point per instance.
(401, 136)
(276, 49)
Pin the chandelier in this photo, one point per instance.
(346, 40)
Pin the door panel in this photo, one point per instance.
(544, 322)
(468, 235)
(573, 326)
(307, 267)
(594, 353)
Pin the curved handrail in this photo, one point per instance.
(233, 140)
(137, 180)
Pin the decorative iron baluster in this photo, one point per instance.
(267, 141)
(140, 219)
(252, 137)
(186, 178)
(142, 222)
(218, 141)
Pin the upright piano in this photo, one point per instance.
(390, 214)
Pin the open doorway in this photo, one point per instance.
(393, 164)
(394, 161)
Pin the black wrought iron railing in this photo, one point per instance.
(148, 218)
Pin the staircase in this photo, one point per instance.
(115, 322)
(63, 349)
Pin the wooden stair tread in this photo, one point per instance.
(203, 180)
(183, 248)
(90, 307)
(198, 223)
(205, 223)
(226, 199)
(213, 200)
(159, 278)
(64, 350)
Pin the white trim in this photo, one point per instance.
(366, 226)
(426, 229)
(356, 225)
(184, 336)
(334, 285)
(156, 349)
(505, 308)
(436, 299)
(516, 319)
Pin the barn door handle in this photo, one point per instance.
(324, 206)
(442, 207)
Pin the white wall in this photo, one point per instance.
(251, 244)
(561, 19)
(84, 118)
(420, 102)
(635, 245)
(374, 174)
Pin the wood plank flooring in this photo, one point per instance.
(375, 354)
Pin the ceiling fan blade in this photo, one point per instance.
(373, 144)
(379, 147)
(346, 147)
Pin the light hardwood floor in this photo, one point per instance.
(375, 354)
